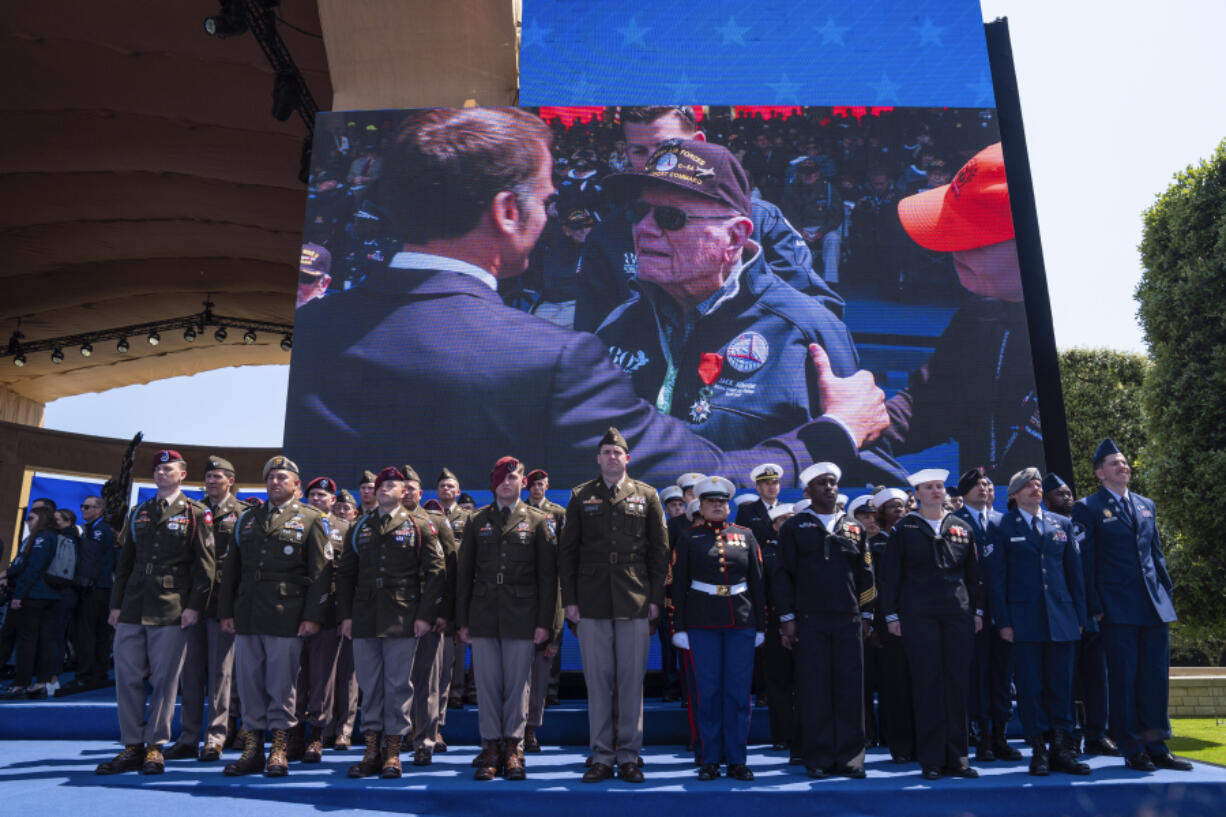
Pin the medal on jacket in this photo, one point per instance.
(710, 364)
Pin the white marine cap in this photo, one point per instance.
(780, 510)
(767, 470)
(817, 469)
(715, 488)
(689, 480)
(671, 492)
(928, 475)
(744, 499)
(858, 503)
(886, 494)
(691, 508)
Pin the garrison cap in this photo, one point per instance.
(614, 437)
(280, 463)
(216, 463)
(343, 495)
(446, 474)
(1022, 478)
(367, 476)
(409, 474)
(1053, 481)
(970, 479)
(1105, 449)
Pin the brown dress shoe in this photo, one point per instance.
(155, 763)
(492, 753)
(278, 759)
(252, 758)
(391, 757)
(483, 757)
(630, 772)
(597, 772)
(513, 760)
(440, 745)
(210, 752)
(129, 760)
(342, 743)
(372, 759)
(531, 744)
(179, 751)
(423, 757)
(314, 751)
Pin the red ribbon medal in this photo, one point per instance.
(710, 364)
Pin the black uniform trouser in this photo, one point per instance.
(94, 634)
(991, 679)
(668, 655)
(779, 674)
(895, 706)
(830, 690)
(874, 677)
(37, 620)
(1090, 686)
(939, 652)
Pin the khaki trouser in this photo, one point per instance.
(208, 670)
(156, 654)
(614, 664)
(384, 667)
(542, 669)
(445, 674)
(503, 668)
(346, 694)
(266, 669)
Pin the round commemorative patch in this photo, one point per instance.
(747, 352)
(665, 162)
(288, 550)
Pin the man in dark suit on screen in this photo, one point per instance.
(425, 358)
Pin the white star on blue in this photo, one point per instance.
(886, 89)
(832, 34)
(684, 91)
(929, 33)
(533, 34)
(732, 33)
(786, 91)
(982, 90)
(633, 33)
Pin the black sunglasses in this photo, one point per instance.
(667, 217)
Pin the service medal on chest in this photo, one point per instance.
(700, 411)
(288, 550)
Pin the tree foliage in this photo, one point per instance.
(1102, 398)
(1183, 313)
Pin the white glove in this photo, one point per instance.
(681, 641)
(759, 639)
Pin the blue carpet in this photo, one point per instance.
(56, 779)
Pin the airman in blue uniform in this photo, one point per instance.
(1037, 598)
(1128, 590)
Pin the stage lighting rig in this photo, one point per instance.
(231, 22)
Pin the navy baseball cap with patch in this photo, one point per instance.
(579, 218)
(704, 168)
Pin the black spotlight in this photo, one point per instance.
(87, 350)
(122, 347)
(287, 343)
(57, 356)
(249, 337)
(230, 23)
(19, 360)
(220, 334)
(189, 334)
(154, 338)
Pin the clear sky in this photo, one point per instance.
(1116, 98)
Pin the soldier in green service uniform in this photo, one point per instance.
(339, 732)
(387, 594)
(455, 681)
(208, 670)
(547, 663)
(275, 584)
(506, 599)
(612, 560)
(162, 582)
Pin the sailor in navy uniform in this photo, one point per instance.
(756, 515)
(778, 665)
(991, 701)
(932, 598)
(824, 589)
(1128, 590)
(1033, 575)
(720, 603)
(895, 709)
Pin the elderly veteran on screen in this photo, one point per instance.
(707, 342)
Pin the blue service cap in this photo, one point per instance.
(1105, 449)
(1053, 481)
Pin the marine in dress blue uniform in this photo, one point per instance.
(823, 587)
(557, 390)
(1128, 590)
(720, 603)
(991, 701)
(1037, 593)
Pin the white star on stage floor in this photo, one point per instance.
(633, 33)
(532, 34)
(733, 34)
(982, 89)
(832, 34)
(683, 90)
(786, 91)
(887, 90)
(929, 33)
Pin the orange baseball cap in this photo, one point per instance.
(971, 211)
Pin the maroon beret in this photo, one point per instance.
(323, 483)
(503, 467)
(166, 455)
(536, 475)
(390, 472)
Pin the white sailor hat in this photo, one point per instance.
(767, 470)
(744, 499)
(671, 492)
(886, 494)
(858, 503)
(817, 469)
(689, 480)
(780, 510)
(802, 505)
(714, 488)
(842, 500)
(928, 475)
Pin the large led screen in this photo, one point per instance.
(783, 284)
